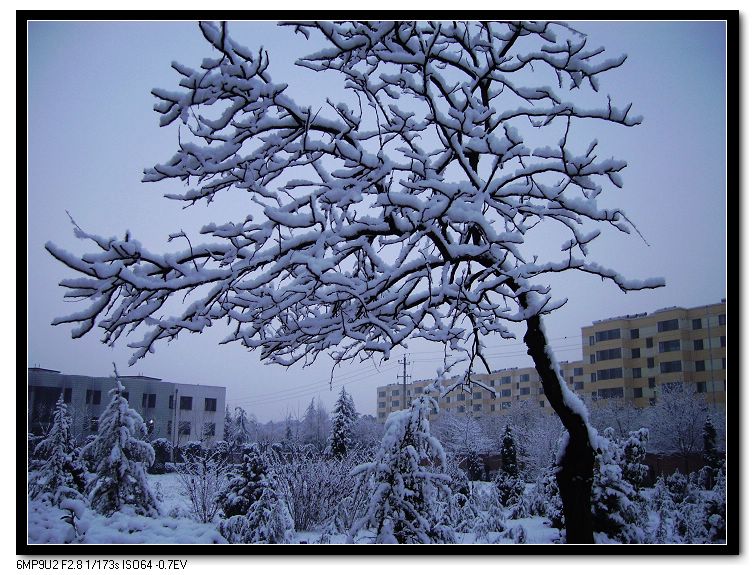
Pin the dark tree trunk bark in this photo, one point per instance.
(576, 474)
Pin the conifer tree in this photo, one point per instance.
(710, 454)
(508, 484)
(253, 505)
(404, 506)
(228, 426)
(633, 466)
(615, 513)
(59, 474)
(121, 459)
(342, 431)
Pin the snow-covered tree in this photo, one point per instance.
(676, 421)
(253, 505)
(121, 459)
(244, 485)
(508, 484)
(58, 474)
(314, 426)
(228, 426)
(406, 489)
(407, 211)
(615, 511)
(633, 467)
(243, 429)
(344, 417)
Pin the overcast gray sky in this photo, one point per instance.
(92, 131)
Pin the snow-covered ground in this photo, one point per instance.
(175, 525)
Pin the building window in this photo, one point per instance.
(723, 341)
(634, 334)
(700, 365)
(208, 430)
(505, 404)
(651, 382)
(477, 407)
(635, 352)
(381, 394)
(542, 404)
(636, 372)
(170, 401)
(637, 392)
(460, 397)
(608, 334)
(606, 354)
(148, 400)
(184, 427)
(125, 395)
(492, 407)
(592, 358)
(701, 387)
(150, 426)
(524, 377)
(671, 366)
(578, 385)
(505, 393)
(612, 373)
(418, 390)
(170, 427)
(448, 399)
(593, 378)
(460, 409)
(651, 363)
(381, 404)
(94, 396)
(477, 395)
(648, 342)
(93, 425)
(395, 403)
(722, 319)
(698, 345)
(210, 404)
(186, 402)
(395, 392)
(697, 323)
(540, 390)
(578, 371)
(670, 345)
(592, 340)
(611, 393)
(668, 325)
(524, 391)
(505, 379)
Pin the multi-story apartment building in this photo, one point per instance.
(495, 393)
(628, 357)
(633, 356)
(178, 412)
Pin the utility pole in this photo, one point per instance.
(404, 364)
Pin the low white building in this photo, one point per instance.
(178, 412)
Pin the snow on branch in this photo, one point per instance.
(401, 215)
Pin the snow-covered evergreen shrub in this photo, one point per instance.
(616, 515)
(633, 466)
(163, 450)
(678, 487)
(121, 459)
(509, 487)
(545, 500)
(715, 510)
(58, 474)
(404, 506)
(244, 484)
(341, 437)
(192, 450)
(253, 505)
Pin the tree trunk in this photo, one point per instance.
(576, 474)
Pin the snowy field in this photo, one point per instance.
(175, 525)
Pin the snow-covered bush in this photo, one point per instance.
(252, 502)
(633, 466)
(406, 489)
(203, 477)
(121, 459)
(313, 484)
(616, 515)
(163, 450)
(58, 473)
